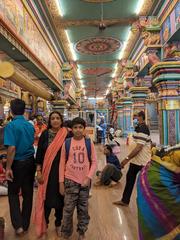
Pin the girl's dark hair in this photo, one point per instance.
(17, 106)
(78, 120)
(68, 124)
(49, 121)
(109, 148)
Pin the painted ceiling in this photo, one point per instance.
(94, 50)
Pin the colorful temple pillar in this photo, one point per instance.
(34, 110)
(79, 97)
(127, 115)
(59, 105)
(139, 95)
(28, 101)
(120, 121)
(166, 77)
(119, 104)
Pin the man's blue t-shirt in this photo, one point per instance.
(112, 159)
(20, 133)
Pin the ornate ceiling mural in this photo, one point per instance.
(97, 71)
(98, 1)
(96, 50)
(98, 45)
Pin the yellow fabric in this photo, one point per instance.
(170, 236)
(170, 161)
(153, 151)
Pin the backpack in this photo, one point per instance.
(87, 144)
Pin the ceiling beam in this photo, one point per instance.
(96, 62)
(62, 23)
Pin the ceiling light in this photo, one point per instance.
(72, 51)
(124, 45)
(82, 85)
(59, 8)
(79, 73)
(99, 98)
(139, 6)
(71, 46)
(95, 98)
(116, 68)
(114, 74)
(66, 31)
(107, 91)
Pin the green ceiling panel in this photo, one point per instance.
(79, 9)
(97, 63)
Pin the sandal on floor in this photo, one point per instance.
(120, 203)
(19, 231)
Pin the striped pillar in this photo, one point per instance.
(166, 77)
(139, 95)
(127, 115)
(120, 121)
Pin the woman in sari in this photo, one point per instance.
(48, 159)
(158, 196)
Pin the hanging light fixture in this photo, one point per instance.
(59, 8)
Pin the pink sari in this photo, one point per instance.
(51, 152)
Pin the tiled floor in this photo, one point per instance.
(108, 222)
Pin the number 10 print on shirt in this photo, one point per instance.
(78, 157)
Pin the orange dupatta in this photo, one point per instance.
(51, 152)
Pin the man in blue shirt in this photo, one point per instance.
(20, 169)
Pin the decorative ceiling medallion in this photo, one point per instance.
(97, 71)
(98, 45)
(98, 1)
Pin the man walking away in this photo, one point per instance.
(20, 169)
(139, 157)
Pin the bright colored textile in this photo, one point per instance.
(38, 132)
(158, 200)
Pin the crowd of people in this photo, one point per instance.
(64, 160)
(64, 166)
